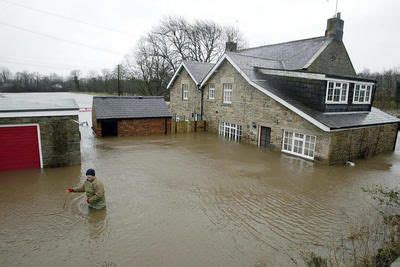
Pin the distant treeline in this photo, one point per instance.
(388, 88)
(106, 82)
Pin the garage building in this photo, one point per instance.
(130, 116)
(37, 134)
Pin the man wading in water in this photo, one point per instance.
(94, 190)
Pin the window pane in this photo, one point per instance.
(336, 95)
(343, 92)
(362, 93)
(343, 96)
(357, 92)
(227, 92)
(367, 93)
(330, 94)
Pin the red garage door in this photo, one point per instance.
(19, 147)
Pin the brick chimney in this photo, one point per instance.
(334, 28)
(230, 46)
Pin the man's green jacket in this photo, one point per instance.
(94, 192)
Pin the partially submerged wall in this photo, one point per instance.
(59, 136)
(361, 143)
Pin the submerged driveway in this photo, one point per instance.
(186, 200)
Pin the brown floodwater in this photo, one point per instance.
(185, 200)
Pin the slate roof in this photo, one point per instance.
(292, 55)
(130, 107)
(8, 103)
(198, 69)
(340, 121)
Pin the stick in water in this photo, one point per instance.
(65, 199)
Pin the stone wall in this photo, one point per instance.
(59, 136)
(333, 60)
(136, 127)
(251, 107)
(181, 107)
(362, 142)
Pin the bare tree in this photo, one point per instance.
(159, 53)
(5, 75)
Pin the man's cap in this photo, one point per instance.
(90, 172)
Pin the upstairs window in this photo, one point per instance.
(362, 93)
(227, 93)
(185, 92)
(336, 93)
(211, 91)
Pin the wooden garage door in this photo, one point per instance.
(19, 147)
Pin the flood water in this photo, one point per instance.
(186, 200)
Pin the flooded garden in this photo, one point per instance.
(184, 200)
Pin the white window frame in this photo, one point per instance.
(211, 91)
(230, 131)
(364, 90)
(337, 85)
(294, 141)
(228, 92)
(185, 91)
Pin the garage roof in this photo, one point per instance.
(130, 107)
(12, 107)
(10, 104)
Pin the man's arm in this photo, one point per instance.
(79, 188)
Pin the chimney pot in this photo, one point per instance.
(230, 46)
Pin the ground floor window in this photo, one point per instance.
(299, 144)
(230, 131)
(197, 117)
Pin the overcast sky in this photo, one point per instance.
(34, 40)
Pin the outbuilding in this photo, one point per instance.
(130, 116)
(38, 133)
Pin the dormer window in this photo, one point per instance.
(362, 93)
(337, 92)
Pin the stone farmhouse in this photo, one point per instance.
(301, 97)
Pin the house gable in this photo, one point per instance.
(334, 59)
(196, 71)
(185, 108)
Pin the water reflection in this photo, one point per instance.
(97, 222)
